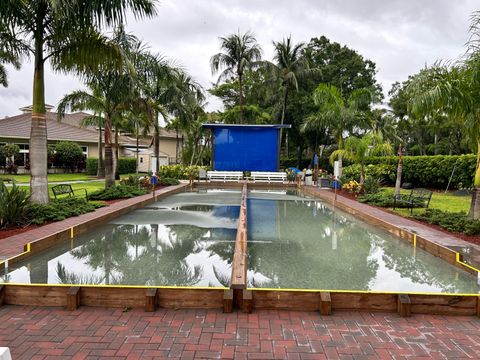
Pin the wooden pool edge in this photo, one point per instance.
(151, 298)
(323, 301)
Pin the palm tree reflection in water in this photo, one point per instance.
(143, 255)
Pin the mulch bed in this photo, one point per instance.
(475, 239)
(10, 232)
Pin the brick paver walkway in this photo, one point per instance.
(96, 333)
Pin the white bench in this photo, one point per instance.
(224, 175)
(264, 176)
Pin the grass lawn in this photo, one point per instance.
(90, 186)
(51, 177)
(440, 200)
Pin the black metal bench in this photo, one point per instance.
(66, 189)
(418, 198)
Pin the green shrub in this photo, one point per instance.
(178, 171)
(59, 209)
(377, 199)
(422, 171)
(92, 166)
(69, 155)
(127, 165)
(458, 222)
(371, 185)
(168, 181)
(13, 205)
(117, 192)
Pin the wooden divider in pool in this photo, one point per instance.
(238, 283)
(322, 301)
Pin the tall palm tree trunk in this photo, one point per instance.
(193, 151)
(117, 155)
(38, 133)
(475, 203)
(176, 144)
(240, 83)
(398, 181)
(109, 171)
(282, 120)
(137, 135)
(156, 141)
(100, 165)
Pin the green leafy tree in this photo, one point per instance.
(337, 115)
(64, 33)
(69, 155)
(240, 52)
(341, 67)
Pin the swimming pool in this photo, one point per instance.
(188, 239)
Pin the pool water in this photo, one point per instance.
(301, 243)
(188, 239)
(184, 240)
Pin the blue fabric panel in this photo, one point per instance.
(245, 149)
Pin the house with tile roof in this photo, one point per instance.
(16, 130)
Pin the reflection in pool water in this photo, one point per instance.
(305, 244)
(293, 242)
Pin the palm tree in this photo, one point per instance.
(337, 115)
(289, 68)
(358, 149)
(64, 33)
(240, 52)
(112, 92)
(454, 90)
(82, 100)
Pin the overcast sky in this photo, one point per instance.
(400, 36)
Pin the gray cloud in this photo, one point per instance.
(400, 36)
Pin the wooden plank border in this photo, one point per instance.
(238, 281)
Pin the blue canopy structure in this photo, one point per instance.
(246, 147)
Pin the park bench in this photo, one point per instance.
(66, 189)
(224, 175)
(265, 176)
(418, 198)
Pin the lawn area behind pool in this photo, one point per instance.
(91, 186)
(51, 177)
(440, 200)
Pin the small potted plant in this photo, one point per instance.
(290, 175)
(324, 179)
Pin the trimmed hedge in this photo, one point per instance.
(92, 166)
(125, 166)
(422, 171)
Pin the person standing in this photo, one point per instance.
(315, 162)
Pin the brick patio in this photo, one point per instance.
(98, 333)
